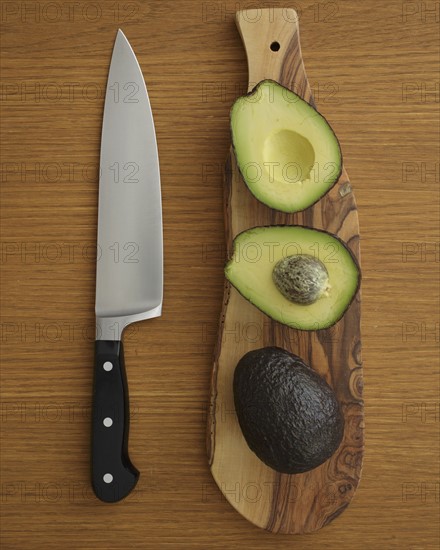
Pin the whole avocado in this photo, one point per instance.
(288, 414)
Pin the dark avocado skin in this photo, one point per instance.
(288, 414)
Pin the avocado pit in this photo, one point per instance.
(301, 278)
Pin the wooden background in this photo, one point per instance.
(374, 70)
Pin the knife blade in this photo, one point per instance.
(129, 267)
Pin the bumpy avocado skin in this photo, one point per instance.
(288, 414)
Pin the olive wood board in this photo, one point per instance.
(283, 503)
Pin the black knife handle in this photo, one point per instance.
(113, 474)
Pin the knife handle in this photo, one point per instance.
(113, 474)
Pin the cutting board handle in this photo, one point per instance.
(271, 39)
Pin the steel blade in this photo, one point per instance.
(129, 276)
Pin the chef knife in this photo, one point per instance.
(129, 274)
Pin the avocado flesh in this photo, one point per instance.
(258, 250)
(288, 414)
(286, 151)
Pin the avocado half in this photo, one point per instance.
(288, 414)
(286, 151)
(301, 277)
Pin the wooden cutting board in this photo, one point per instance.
(284, 503)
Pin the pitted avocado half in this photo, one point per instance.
(304, 278)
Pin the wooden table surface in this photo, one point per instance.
(374, 71)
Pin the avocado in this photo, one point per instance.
(304, 278)
(288, 414)
(286, 151)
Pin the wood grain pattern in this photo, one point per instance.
(306, 502)
(373, 71)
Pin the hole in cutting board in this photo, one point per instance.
(275, 46)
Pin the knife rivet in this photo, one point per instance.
(108, 366)
(108, 478)
(107, 422)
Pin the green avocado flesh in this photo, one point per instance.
(288, 414)
(286, 151)
(326, 291)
